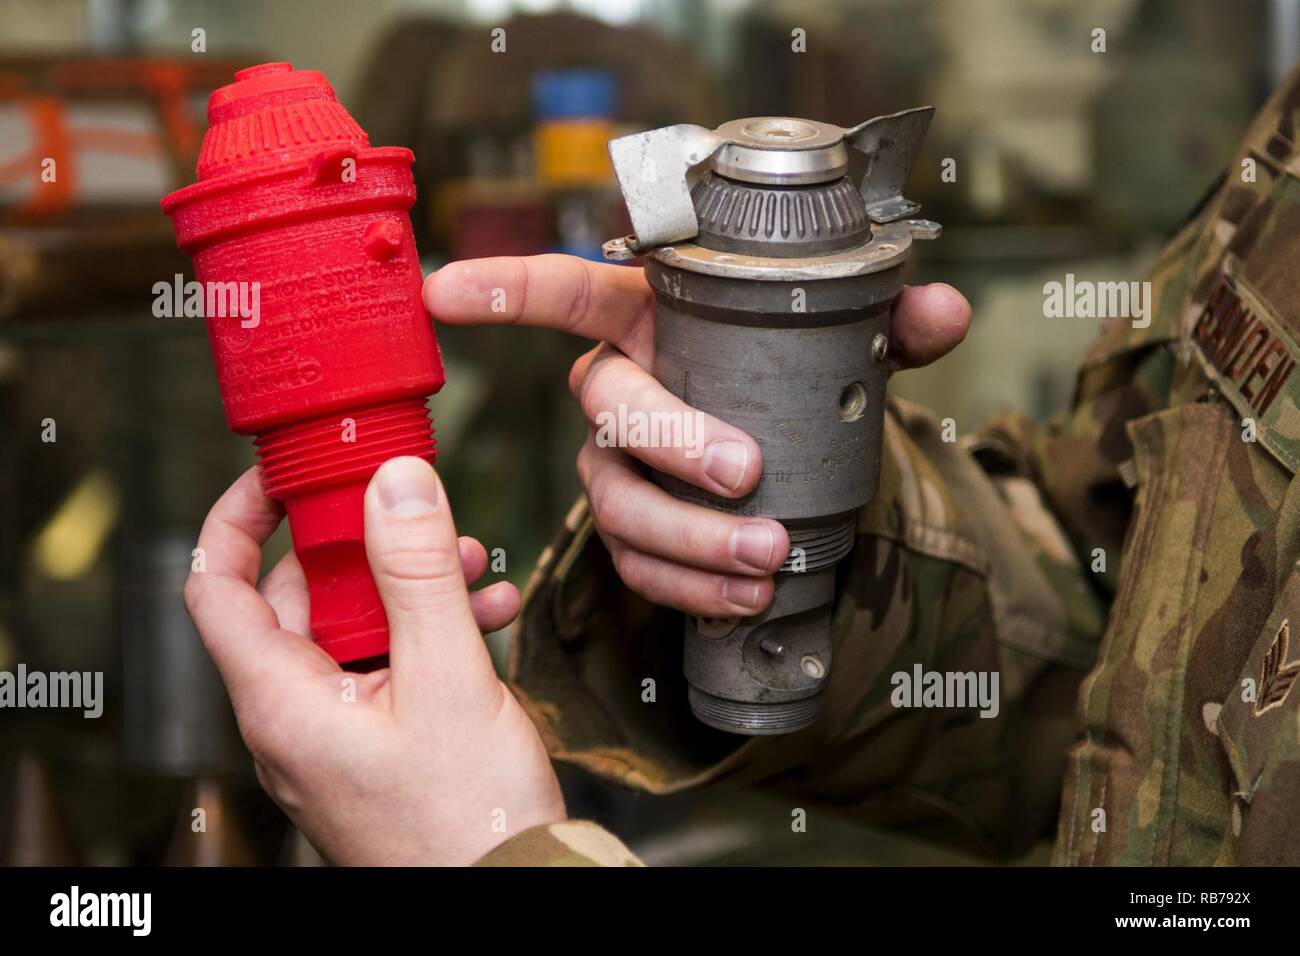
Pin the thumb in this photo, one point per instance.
(435, 648)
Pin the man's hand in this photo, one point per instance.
(671, 552)
(430, 761)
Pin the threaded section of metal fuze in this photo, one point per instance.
(740, 717)
(812, 549)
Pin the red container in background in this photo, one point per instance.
(331, 367)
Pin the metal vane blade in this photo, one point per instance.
(651, 168)
(891, 144)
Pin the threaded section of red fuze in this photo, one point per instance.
(345, 447)
(320, 469)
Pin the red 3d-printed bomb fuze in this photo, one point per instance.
(332, 372)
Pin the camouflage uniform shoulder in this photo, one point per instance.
(1230, 216)
(1189, 751)
(1170, 279)
(1237, 311)
(571, 843)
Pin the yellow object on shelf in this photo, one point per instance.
(573, 153)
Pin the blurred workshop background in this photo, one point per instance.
(1067, 159)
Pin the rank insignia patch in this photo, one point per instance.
(1275, 675)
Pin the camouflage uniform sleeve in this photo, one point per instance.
(572, 843)
(996, 554)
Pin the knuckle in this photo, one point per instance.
(609, 504)
(598, 390)
(266, 778)
(619, 560)
(702, 540)
(193, 594)
(708, 596)
(278, 784)
(630, 568)
(259, 722)
(259, 770)
(644, 392)
(425, 565)
(260, 748)
(576, 378)
(714, 541)
(584, 463)
(581, 301)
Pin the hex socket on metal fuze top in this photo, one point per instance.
(774, 275)
(295, 213)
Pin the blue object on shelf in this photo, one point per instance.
(573, 94)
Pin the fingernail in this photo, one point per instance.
(752, 544)
(726, 462)
(407, 487)
(742, 593)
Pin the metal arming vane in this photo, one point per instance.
(774, 274)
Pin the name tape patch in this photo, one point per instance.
(1252, 357)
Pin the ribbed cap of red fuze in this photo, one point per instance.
(272, 115)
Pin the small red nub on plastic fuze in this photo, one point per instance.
(301, 241)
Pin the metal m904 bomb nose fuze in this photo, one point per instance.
(774, 275)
